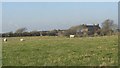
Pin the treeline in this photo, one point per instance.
(108, 28)
(32, 33)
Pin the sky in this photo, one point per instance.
(55, 15)
(60, 0)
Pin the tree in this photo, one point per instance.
(20, 30)
(73, 30)
(35, 33)
(107, 27)
(53, 32)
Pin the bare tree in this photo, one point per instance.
(21, 30)
(73, 30)
(107, 27)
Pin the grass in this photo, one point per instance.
(60, 51)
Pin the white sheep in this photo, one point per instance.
(72, 36)
(22, 40)
(5, 40)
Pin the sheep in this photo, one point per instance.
(72, 36)
(22, 40)
(5, 40)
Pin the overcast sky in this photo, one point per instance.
(55, 15)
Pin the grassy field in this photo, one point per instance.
(60, 51)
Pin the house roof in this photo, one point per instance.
(92, 27)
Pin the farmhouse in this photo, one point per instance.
(89, 29)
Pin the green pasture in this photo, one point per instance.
(60, 51)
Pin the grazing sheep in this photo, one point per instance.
(72, 36)
(5, 40)
(22, 40)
